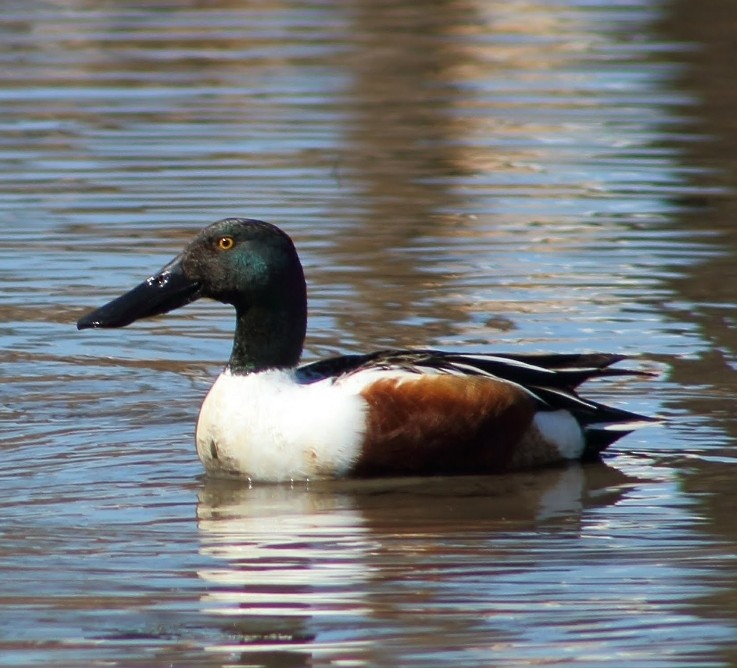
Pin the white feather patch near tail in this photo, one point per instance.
(561, 429)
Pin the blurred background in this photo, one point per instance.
(490, 175)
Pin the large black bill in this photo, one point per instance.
(160, 293)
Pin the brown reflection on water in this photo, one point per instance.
(420, 128)
(710, 213)
(401, 148)
(708, 290)
(403, 142)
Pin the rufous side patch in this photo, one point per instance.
(442, 425)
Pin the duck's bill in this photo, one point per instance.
(163, 292)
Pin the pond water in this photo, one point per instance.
(466, 174)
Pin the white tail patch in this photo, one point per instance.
(561, 429)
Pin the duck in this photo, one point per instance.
(389, 412)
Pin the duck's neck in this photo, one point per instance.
(267, 337)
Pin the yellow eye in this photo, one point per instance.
(226, 243)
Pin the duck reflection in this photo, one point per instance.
(325, 568)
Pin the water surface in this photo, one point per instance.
(495, 176)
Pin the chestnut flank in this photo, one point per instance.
(442, 425)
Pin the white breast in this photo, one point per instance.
(268, 427)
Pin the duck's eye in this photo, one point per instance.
(226, 243)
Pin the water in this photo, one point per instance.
(497, 176)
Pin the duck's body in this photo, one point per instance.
(391, 412)
(405, 412)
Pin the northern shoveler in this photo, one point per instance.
(391, 412)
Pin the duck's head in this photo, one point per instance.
(248, 263)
